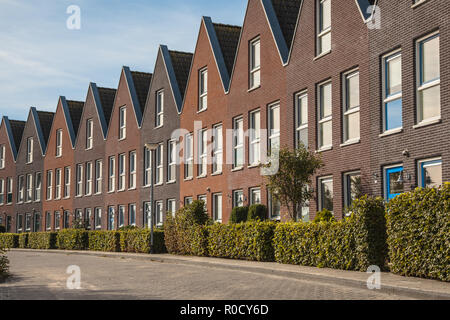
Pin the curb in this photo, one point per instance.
(299, 275)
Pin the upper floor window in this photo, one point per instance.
(203, 90)
(188, 157)
(9, 190)
(392, 91)
(217, 149)
(29, 192)
(202, 152)
(88, 189)
(2, 191)
(238, 143)
(2, 156)
(274, 128)
(159, 108)
(159, 164)
(132, 175)
(301, 119)
(98, 176)
(79, 177)
(324, 26)
(49, 184)
(89, 134)
(67, 182)
(147, 167)
(255, 138)
(20, 189)
(429, 84)
(121, 182)
(325, 118)
(29, 150)
(351, 107)
(58, 183)
(255, 63)
(171, 161)
(58, 143)
(38, 187)
(111, 174)
(122, 123)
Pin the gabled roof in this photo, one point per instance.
(138, 86)
(14, 130)
(72, 114)
(104, 101)
(365, 8)
(43, 122)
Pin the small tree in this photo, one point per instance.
(290, 184)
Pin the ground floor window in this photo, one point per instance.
(147, 214)
(19, 223)
(326, 194)
(274, 207)
(217, 207)
(121, 216)
(394, 182)
(187, 201)
(238, 198)
(48, 220)
(66, 219)
(255, 196)
(159, 213)
(132, 214)
(57, 220)
(111, 218)
(171, 206)
(37, 222)
(87, 218)
(204, 198)
(352, 187)
(28, 222)
(430, 173)
(98, 218)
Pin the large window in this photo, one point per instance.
(121, 216)
(132, 174)
(58, 151)
(202, 152)
(351, 107)
(147, 167)
(111, 174)
(352, 187)
(326, 194)
(49, 184)
(98, 218)
(238, 143)
(255, 138)
(98, 176)
(171, 161)
(172, 206)
(48, 221)
(89, 134)
(89, 175)
(20, 189)
(274, 207)
(38, 187)
(325, 125)
(66, 221)
(255, 196)
(238, 198)
(58, 181)
(57, 217)
(392, 91)
(121, 181)
(301, 119)
(29, 192)
(88, 218)
(430, 173)
(159, 164)
(217, 207)
(132, 214)
(2, 156)
(79, 174)
(217, 149)
(323, 26)
(9, 190)
(66, 182)
(159, 108)
(2, 191)
(429, 84)
(111, 218)
(122, 123)
(255, 63)
(188, 157)
(29, 150)
(274, 128)
(203, 90)
(159, 213)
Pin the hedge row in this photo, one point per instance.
(418, 225)
(4, 265)
(9, 240)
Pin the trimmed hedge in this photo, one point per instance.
(139, 241)
(418, 226)
(239, 214)
(106, 241)
(354, 243)
(72, 239)
(23, 240)
(42, 240)
(257, 212)
(9, 240)
(4, 265)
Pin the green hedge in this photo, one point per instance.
(106, 241)
(9, 240)
(257, 212)
(139, 241)
(4, 265)
(418, 226)
(23, 240)
(42, 240)
(354, 243)
(239, 214)
(72, 239)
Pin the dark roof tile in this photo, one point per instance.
(45, 120)
(107, 97)
(75, 110)
(181, 62)
(287, 13)
(228, 37)
(142, 85)
(17, 131)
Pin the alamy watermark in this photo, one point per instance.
(374, 280)
(74, 20)
(74, 280)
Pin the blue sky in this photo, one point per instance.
(41, 59)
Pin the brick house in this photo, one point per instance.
(203, 173)
(161, 118)
(58, 165)
(89, 153)
(122, 151)
(30, 171)
(10, 137)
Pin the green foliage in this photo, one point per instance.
(324, 216)
(257, 212)
(106, 241)
(23, 240)
(239, 214)
(4, 265)
(418, 227)
(248, 241)
(139, 241)
(42, 240)
(72, 239)
(351, 244)
(2, 229)
(127, 228)
(9, 240)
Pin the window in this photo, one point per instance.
(171, 161)
(429, 79)
(203, 90)
(238, 198)
(111, 218)
(352, 187)
(326, 194)
(351, 107)
(38, 187)
(79, 174)
(121, 182)
(189, 157)
(98, 218)
(67, 182)
(20, 189)
(58, 152)
(89, 134)
(57, 220)
(325, 117)
(66, 217)
(238, 143)
(324, 27)
(27, 222)
(132, 215)
(147, 167)
(255, 138)
(19, 223)
(122, 123)
(188, 201)
(88, 187)
(121, 216)
(29, 192)
(255, 63)
(430, 173)
(159, 213)
(132, 174)
(147, 214)
(159, 108)
(217, 207)
(2, 191)
(217, 149)
(255, 196)
(49, 184)
(394, 181)
(78, 218)
(274, 128)
(2, 156)
(202, 152)
(48, 221)
(274, 207)
(204, 199)
(37, 222)
(171, 206)
(58, 173)
(112, 174)
(98, 176)
(87, 218)
(29, 150)
(392, 92)
(159, 164)
(9, 190)
(301, 119)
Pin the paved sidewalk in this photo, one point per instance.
(390, 283)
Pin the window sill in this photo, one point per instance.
(322, 55)
(415, 5)
(350, 142)
(158, 127)
(132, 189)
(88, 149)
(254, 88)
(159, 184)
(391, 132)
(123, 139)
(171, 182)
(123, 190)
(188, 179)
(324, 149)
(427, 123)
(237, 169)
(252, 166)
(216, 174)
(202, 176)
(201, 111)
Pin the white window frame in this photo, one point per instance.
(254, 68)
(254, 146)
(58, 151)
(48, 221)
(38, 187)
(29, 188)
(111, 213)
(89, 134)
(121, 216)
(238, 142)
(20, 189)
(121, 179)
(255, 191)
(132, 176)
(130, 222)
(111, 174)
(391, 97)
(322, 32)
(159, 111)
(58, 181)
(79, 182)
(274, 134)
(321, 121)
(347, 190)
(49, 186)
(217, 151)
(147, 167)
(98, 218)
(2, 191)
(202, 152)
(217, 208)
(2, 156)
(159, 213)
(347, 111)
(9, 190)
(300, 124)
(30, 143)
(89, 177)
(235, 194)
(189, 156)
(202, 89)
(172, 206)
(172, 161)
(122, 123)
(98, 176)
(159, 164)
(321, 181)
(67, 181)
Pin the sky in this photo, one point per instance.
(42, 59)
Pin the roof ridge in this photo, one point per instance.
(227, 25)
(181, 52)
(141, 72)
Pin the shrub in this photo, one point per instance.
(249, 241)
(4, 265)
(139, 241)
(127, 228)
(72, 239)
(257, 212)
(239, 214)
(418, 226)
(23, 240)
(42, 240)
(2, 229)
(106, 241)
(9, 240)
(354, 243)
(324, 216)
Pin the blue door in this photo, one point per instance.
(394, 182)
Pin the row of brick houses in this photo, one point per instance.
(358, 84)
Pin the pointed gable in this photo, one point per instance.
(42, 122)
(72, 114)
(14, 130)
(103, 100)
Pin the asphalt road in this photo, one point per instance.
(37, 275)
